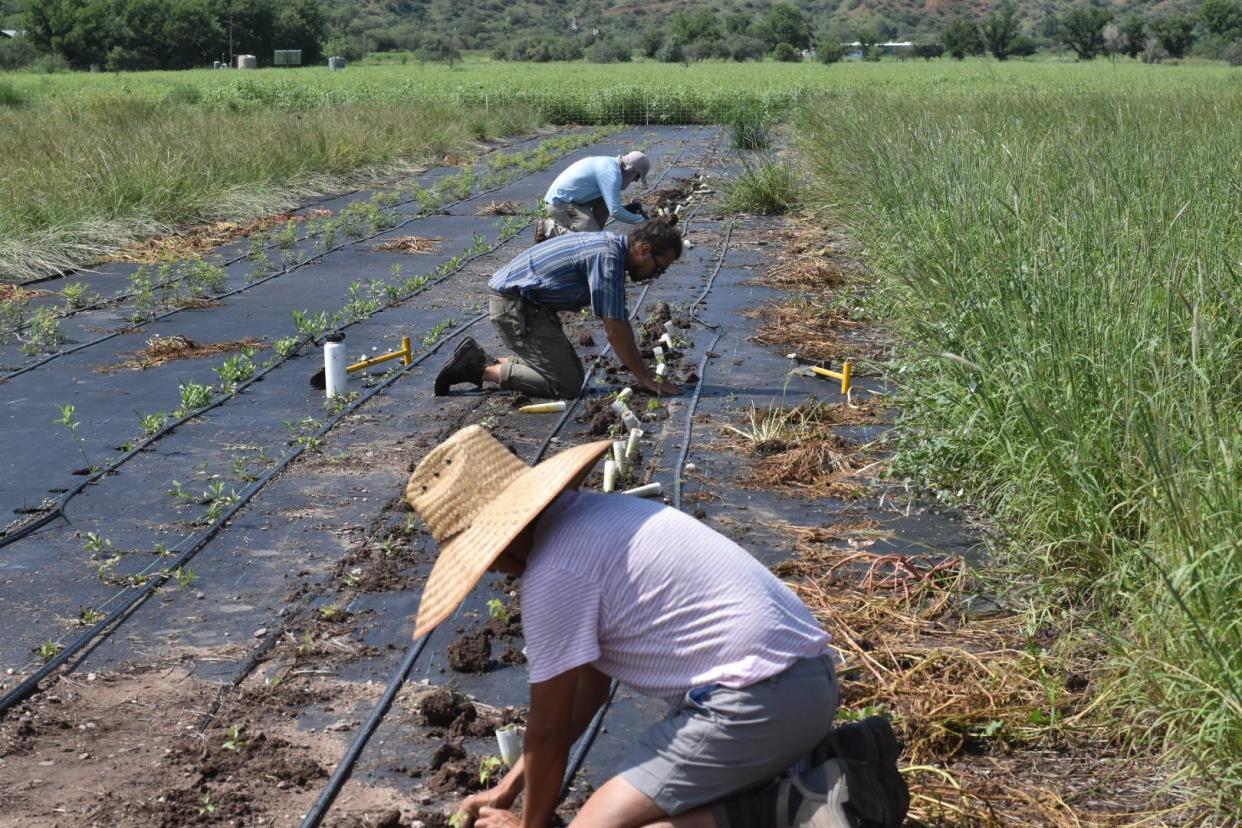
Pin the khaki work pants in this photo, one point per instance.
(545, 363)
(578, 218)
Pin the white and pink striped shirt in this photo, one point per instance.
(655, 599)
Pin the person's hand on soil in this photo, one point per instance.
(637, 207)
(497, 818)
(472, 805)
(662, 387)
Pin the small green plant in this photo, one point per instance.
(151, 423)
(312, 326)
(496, 610)
(438, 331)
(193, 397)
(489, 766)
(258, 257)
(96, 544)
(203, 278)
(106, 571)
(749, 129)
(766, 186)
(287, 346)
(234, 742)
(288, 235)
(332, 612)
(184, 576)
(68, 418)
(207, 807)
(141, 296)
(48, 650)
(236, 369)
(178, 491)
(653, 404)
(42, 333)
(78, 295)
(160, 550)
(88, 616)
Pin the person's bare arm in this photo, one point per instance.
(621, 337)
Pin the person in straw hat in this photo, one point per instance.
(589, 191)
(617, 587)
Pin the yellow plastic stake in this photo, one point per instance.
(843, 375)
(405, 355)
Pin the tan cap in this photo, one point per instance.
(476, 497)
(634, 165)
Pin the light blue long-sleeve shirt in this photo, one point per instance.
(596, 177)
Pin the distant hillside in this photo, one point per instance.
(486, 24)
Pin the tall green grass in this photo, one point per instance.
(80, 180)
(1067, 270)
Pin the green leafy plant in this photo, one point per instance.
(151, 423)
(489, 766)
(141, 296)
(332, 612)
(287, 346)
(432, 336)
(68, 418)
(496, 610)
(236, 369)
(193, 397)
(96, 544)
(48, 650)
(206, 806)
(234, 742)
(184, 576)
(78, 295)
(88, 616)
(43, 333)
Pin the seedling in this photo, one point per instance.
(208, 807)
(458, 821)
(489, 766)
(496, 610)
(78, 296)
(68, 419)
(106, 571)
(288, 235)
(287, 346)
(184, 576)
(142, 295)
(48, 650)
(88, 616)
(653, 404)
(161, 550)
(435, 333)
(312, 326)
(96, 544)
(235, 741)
(193, 397)
(332, 612)
(178, 491)
(151, 423)
(236, 369)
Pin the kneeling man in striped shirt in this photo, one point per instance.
(619, 588)
(565, 274)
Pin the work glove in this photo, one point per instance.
(636, 206)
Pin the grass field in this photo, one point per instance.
(1067, 273)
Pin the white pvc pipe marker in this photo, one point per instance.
(631, 448)
(610, 475)
(509, 740)
(650, 490)
(544, 408)
(618, 455)
(334, 369)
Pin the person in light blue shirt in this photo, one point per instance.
(589, 191)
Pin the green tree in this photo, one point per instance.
(737, 23)
(692, 25)
(301, 24)
(1133, 32)
(1174, 32)
(439, 47)
(1082, 29)
(81, 31)
(785, 24)
(999, 29)
(960, 37)
(786, 53)
(1222, 18)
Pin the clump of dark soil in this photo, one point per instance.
(471, 652)
(599, 414)
(453, 770)
(433, 819)
(257, 757)
(585, 339)
(442, 707)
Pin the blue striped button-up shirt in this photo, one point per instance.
(569, 272)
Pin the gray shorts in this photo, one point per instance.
(722, 742)
(579, 218)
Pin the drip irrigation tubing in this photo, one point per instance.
(58, 510)
(198, 541)
(685, 437)
(345, 767)
(347, 243)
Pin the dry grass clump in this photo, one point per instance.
(499, 208)
(798, 449)
(18, 294)
(195, 241)
(162, 349)
(410, 244)
(813, 327)
(988, 716)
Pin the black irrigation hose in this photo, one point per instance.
(586, 741)
(711, 280)
(685, 437)
(343, 769)
(348, 242)
(200, 540)
(58, 510)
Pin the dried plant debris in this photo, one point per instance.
(195, 241)
(410, 244)
(798, 450)
(812, 327)
(162, 349)
(995, 720)
(500, 208)
(17, 294)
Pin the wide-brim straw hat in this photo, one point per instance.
(476, 497)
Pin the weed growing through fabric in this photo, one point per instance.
(193, 397)
(151, 423)
(184, 576)
(68, 418)
(203, 278)
(178, 491)
(287, 346)
(496, 610)
(438, 331)
(332, 612)
(236, 369)
(96, 544)
(43, 333)
(48, 650)
(288, 236)
(141, 295)
(160, 550)
(89, 616)
(106, 571)
(311, 326)
(78, 295)
(12, 317)
(262, 263)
